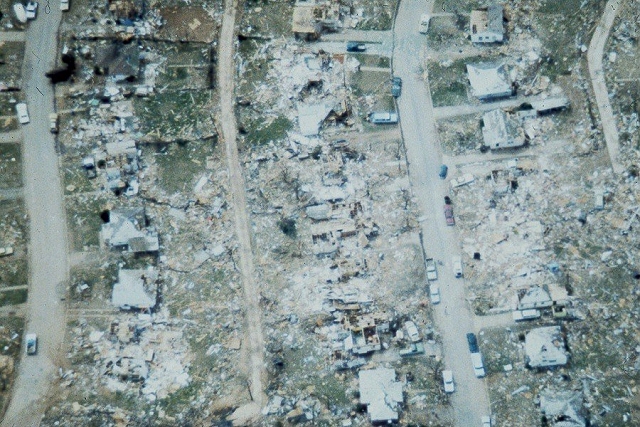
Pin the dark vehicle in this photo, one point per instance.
(473, 343)
(448, 215)
(443, 171)
(356, 47)
(396, 87)
(447, 200)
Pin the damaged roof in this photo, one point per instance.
(501, 131)
(489, 80)
(545, 347)
(135, 289)
(380, 391)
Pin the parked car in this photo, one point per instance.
(448, 215)
(443, 171)
(413, 350)
(434, 294)
(32, 343)
(412, 331)
(53, 123)
(478, 365)
(396, 87)
(64, 5)
(424, 23)
(447, 200)
(486, 421)
(23, 113)
(473, 342)
(432, 272)
(31, 10)
(457, 266)
(447, 379)
(356, 47)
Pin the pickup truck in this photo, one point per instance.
(432, 273)
(448, 215)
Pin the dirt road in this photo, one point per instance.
(47, 229)
(594, 58)
(253, 343)
(453, 316)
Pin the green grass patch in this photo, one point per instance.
(83, 219)
(76, 177)
(372, 60)
(448, 84)
(180, 165)
(11, 58)
(378, 15)
(98, 278)
(274, 18)
(261, 132)
(13, 271)
(175, 114)
(13, 297)
(10, 166)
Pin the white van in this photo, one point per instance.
(23, 114)
(478, 365)
(457, 266)
(424, 23)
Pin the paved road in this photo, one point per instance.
(47, 229)
(594, 58)
(452, 316)
(253, 343)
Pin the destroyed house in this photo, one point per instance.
(534, 297)
(125, 229)
(563, 408)
(127, 10)
(486, 25)
(382, 394)
(119, 61)
(364, 337)
(136, 289)
(501, 131)
(311, 18)
(489, 81)
(545, 347)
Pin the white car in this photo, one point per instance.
(434, 293)
(32, 343)
(486, 421)
(23, 113)
(457, 266)
(447, 379)
(32, 9)
(64, 4)
(424, 23)
(412, 331)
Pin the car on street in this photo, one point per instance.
(448, 215)
(424, 23)
(478, 365)
(434, 294)
(447, 200)
(456, 262)
(31, 341)
(31, 9)
(473, 342)
(23, 113)
(396, 87)
(412, 331)
(432, 272)
(64, 5)
(53, 123)
(486, 421)
(443, 171)
(356, 47)
(447, 380)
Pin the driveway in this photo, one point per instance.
(47, 230)
(453, 316)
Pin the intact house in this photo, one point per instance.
(382, 394)
(534, 297)
(136, 289)
(489, 81)
(126, 229)
(487, 25)
(545, 347)
(501, 131)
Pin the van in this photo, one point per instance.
(457, 266)
(478, 365)
(424, 23)
(23, 114)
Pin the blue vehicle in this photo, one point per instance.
(443, 171)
